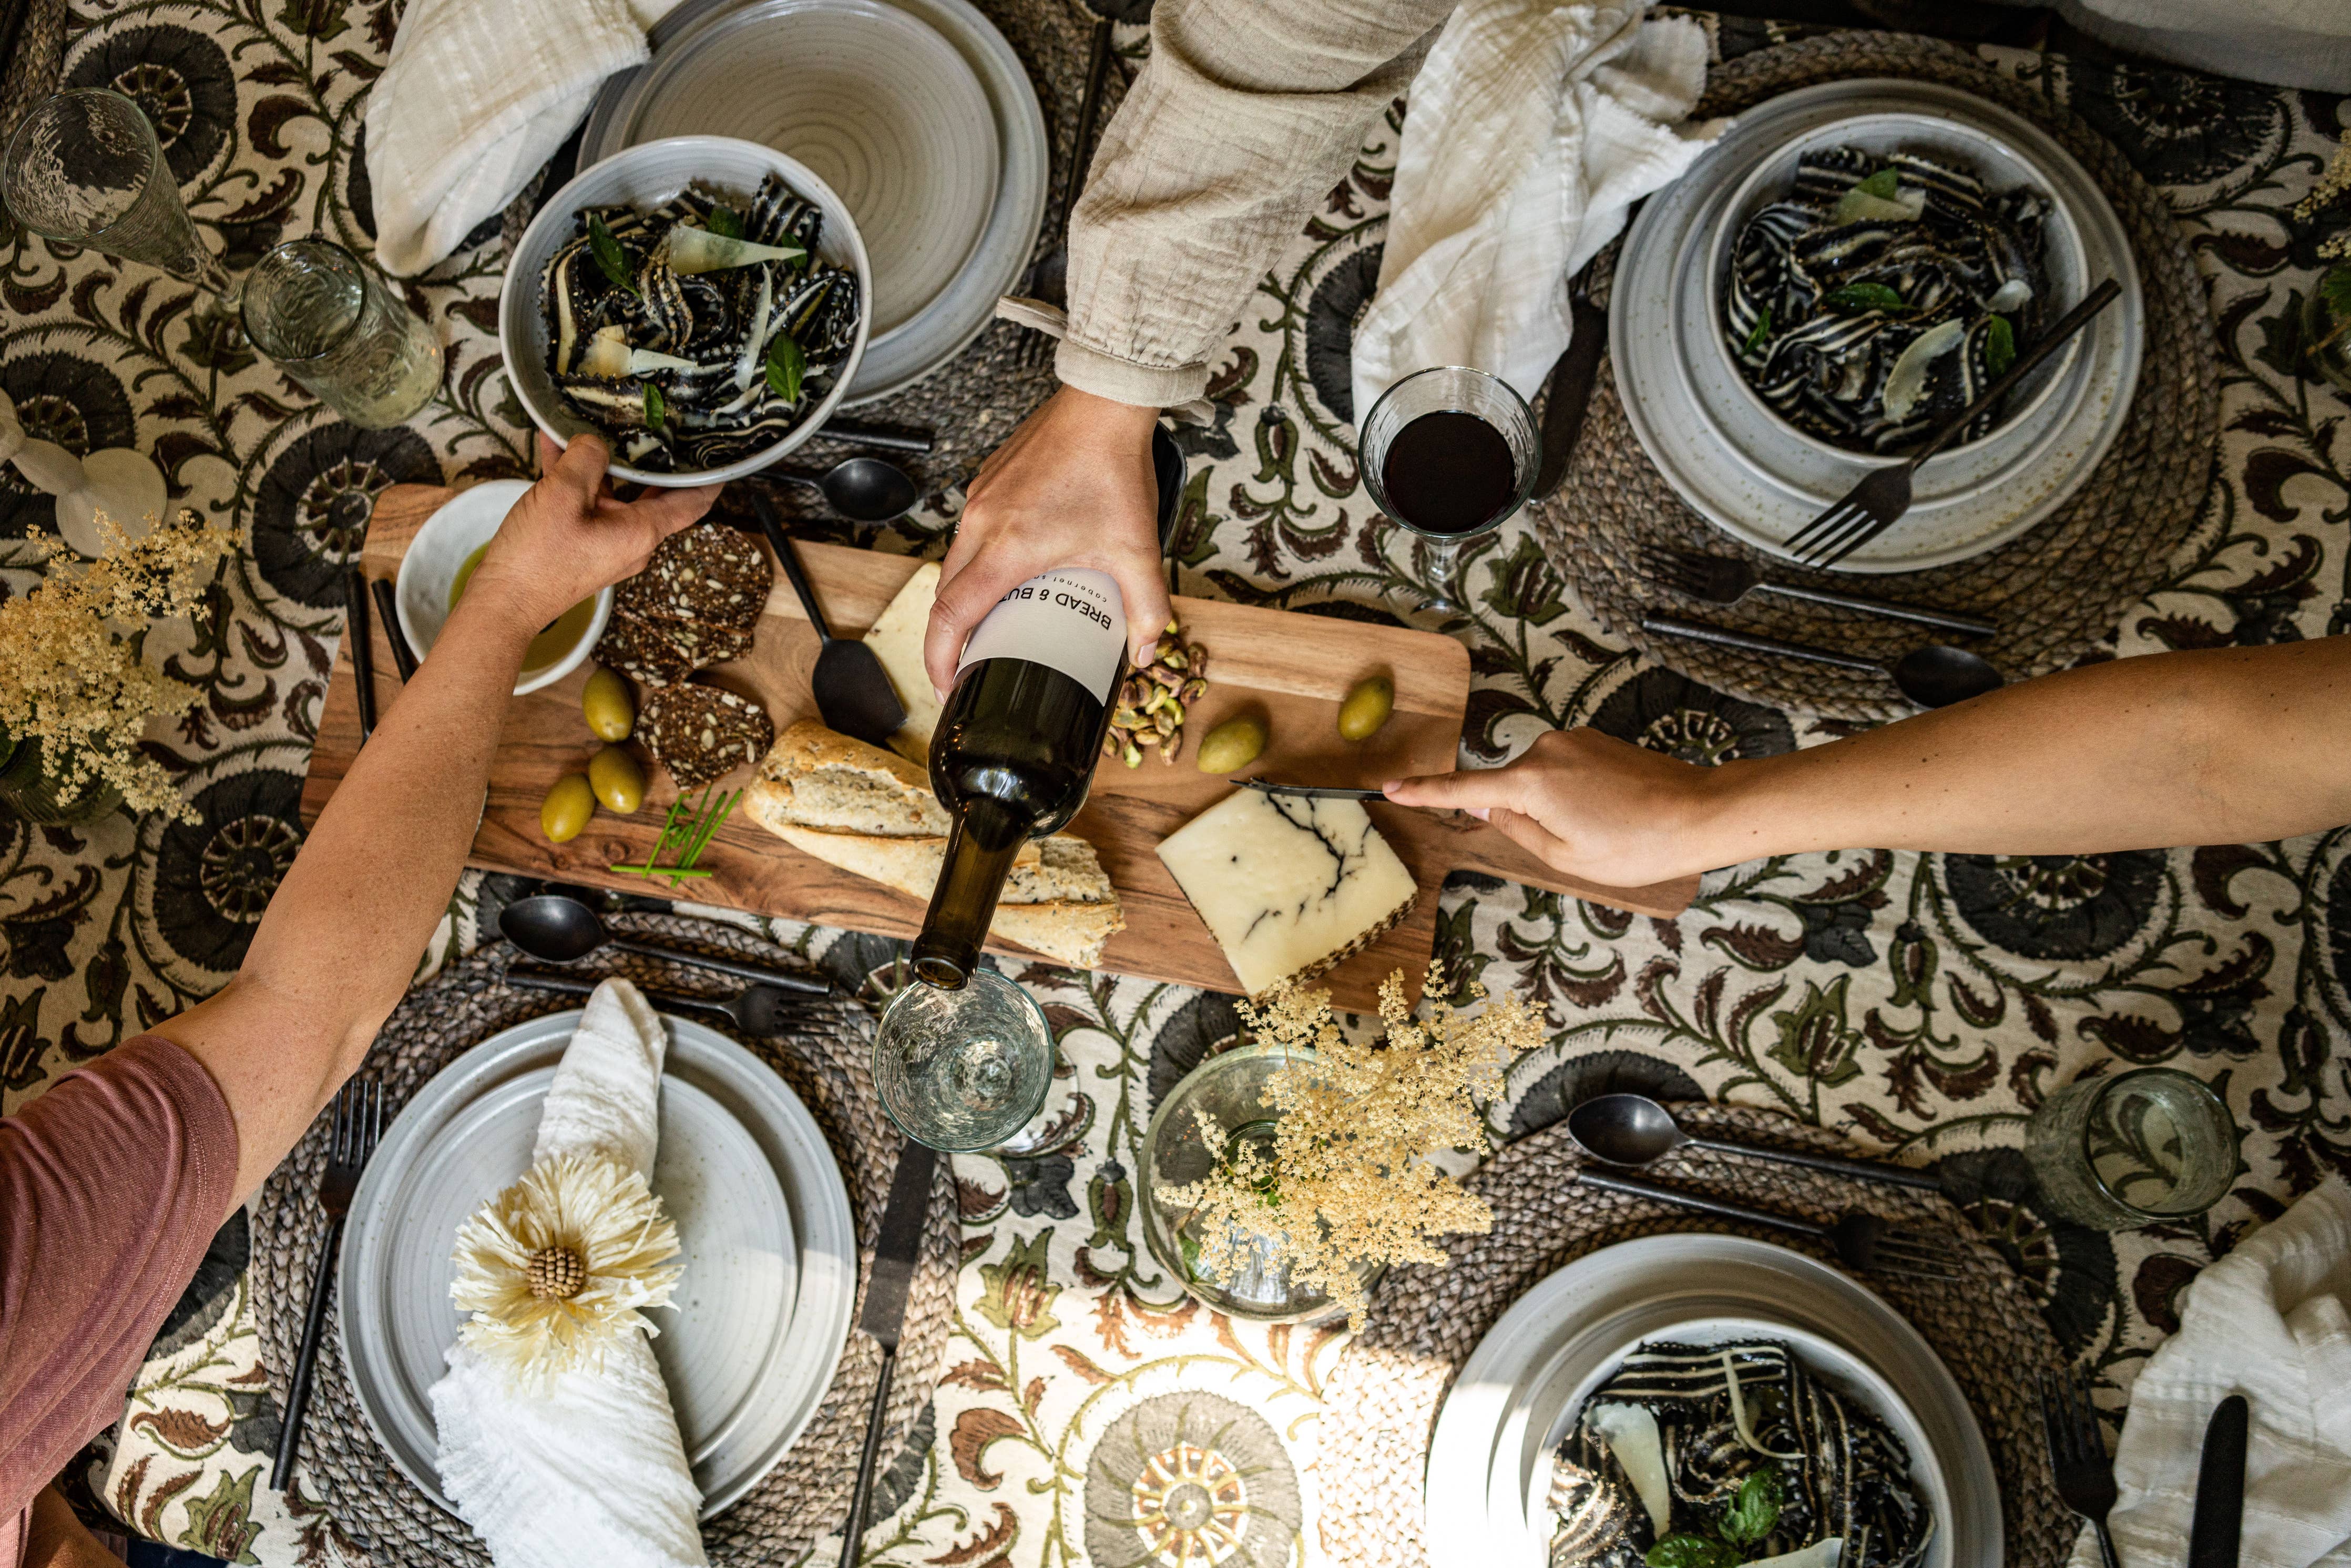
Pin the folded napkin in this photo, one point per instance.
(475, 97)
(1533, 127)
(2272, 1320)
(590, 1468)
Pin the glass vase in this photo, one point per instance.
(2327, 333)
(29, 791)
(1228, 1090)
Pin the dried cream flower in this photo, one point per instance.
(69, 680)
(560, 1265)
(2333, 180)
(1349, 1181)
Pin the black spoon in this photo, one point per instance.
(1635, 1130)
(1936, 676)
(853, 693)
(556, 929)
(863, 489)
(762, 1009)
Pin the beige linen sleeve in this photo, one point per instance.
(1246, 113)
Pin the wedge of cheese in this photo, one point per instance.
(896, 639)
(1289, 886)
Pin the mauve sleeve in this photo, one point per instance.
(111, 1184)
(1244, 117)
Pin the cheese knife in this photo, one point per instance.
(2219, 1523)
(885, 1311)
(1312, 791)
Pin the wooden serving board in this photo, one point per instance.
(1291, 669)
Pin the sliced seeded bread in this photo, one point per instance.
(870, 811)
(707, 572)
(660, 649)
(701, 734)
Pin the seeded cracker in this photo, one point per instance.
(659, 651)
(706, 572)
(701, 734)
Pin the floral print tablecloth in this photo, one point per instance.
(1090, 1413)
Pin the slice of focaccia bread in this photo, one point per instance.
(870, 812)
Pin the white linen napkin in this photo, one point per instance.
(476, 96)
(591, 1469)
(2272, 1320)
(1533, 128)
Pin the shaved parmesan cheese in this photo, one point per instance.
(690, 251)
(2009, 296)
(1629, 1433)
(1907, 383)
(1821, 1553)
(1858, 205)
(609, 356)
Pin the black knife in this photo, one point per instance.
(2219, 1524)
(362, 639)
(885, 1311)
(1570, 392)
(1312, 791)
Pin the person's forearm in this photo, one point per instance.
(341, 932)
(1243, 120)
(341, 938)
(2223, 746)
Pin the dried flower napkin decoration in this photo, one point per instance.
(1349, 1181)
(560, 1265)
(70, 679)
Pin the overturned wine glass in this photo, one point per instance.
(85, 169)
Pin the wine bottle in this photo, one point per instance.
(1014, 750)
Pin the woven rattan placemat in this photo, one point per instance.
(2054, 592)
(1384, 1397)
(825, 1058)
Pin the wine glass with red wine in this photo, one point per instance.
(1449, 453)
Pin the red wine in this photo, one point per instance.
(1015, 747)
(1448, 473)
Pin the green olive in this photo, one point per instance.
(605, 703)
(1234, 744)
(565, 812)
(619, 780)
(1369, 702)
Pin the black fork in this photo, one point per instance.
(358, 1122)
(1878, 503)
(2077, 1453)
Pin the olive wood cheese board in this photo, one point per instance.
(1292, 669)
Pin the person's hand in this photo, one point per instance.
(1072, 487)
(1588, 805)
(569, 536)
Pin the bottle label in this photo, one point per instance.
(1071, 620)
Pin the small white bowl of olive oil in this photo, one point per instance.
(441, 560)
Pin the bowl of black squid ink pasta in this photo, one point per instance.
(701, 302)
(1876, 274)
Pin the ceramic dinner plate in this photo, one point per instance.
(761, 1314)
(1748, 473)
(917, 111)
(1506, 1406)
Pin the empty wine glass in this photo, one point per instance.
(1449, 454)
(963, 1070)
(85, 168)
(332, 325)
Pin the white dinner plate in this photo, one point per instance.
(1682, 1275)
(762, 1312)
(917, 111)
(1750, 475)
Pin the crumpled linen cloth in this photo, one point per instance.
(1533, 127)
(2272, 1320)
(591, 1470)
(476, 97)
